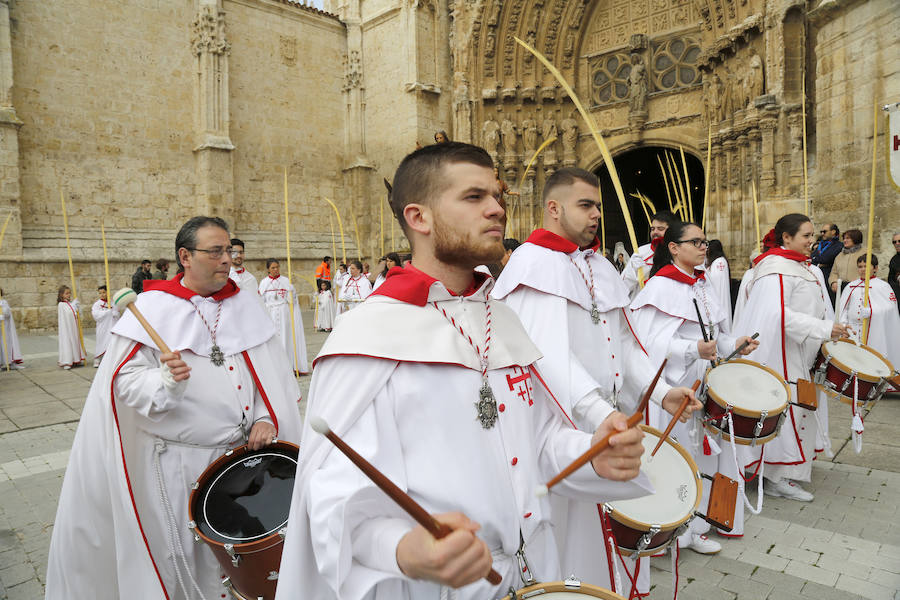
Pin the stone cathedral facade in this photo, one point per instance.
(143, 114)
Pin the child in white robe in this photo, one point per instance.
(105, 316)
(10, 354)
(325, 307)
(71, 352)
(883, 334)
(278, 293)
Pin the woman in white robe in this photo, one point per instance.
(71, 352)
(883, 334)
(325, 307)
(391, 260)
(10, 353)
(278, 293)
(718, 275)
(355, 288)
(666, 319)
(788, 305)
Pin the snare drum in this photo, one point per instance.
(570, 589)
(756, 395)
(648, 524)
(842, 363)
(239, 507)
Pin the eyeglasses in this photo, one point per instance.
(213, 252)
(234, 252)
(697, 242)
(897, 241)
(824, 231)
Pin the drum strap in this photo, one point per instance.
(173, 537)
(856, 423)
(742, 483)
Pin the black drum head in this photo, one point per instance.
(249, 498)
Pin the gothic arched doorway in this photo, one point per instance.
(639, 171)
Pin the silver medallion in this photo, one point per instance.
(216, 356)
(486, 405)
(595, 314)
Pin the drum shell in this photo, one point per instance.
(628, 532)
(568, 587)
(840, 376)
(260, 558)
(744, 419)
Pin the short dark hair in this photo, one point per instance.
(419, 178)
(837, 230)
(162, 262)
(568, 176)
(511, 244)
(862, 259)
(326, 259)
(187, 235)
(788, 224)
(271, 261)
(665, 216)
(855, 235)
(662, 256)
(146, 261)
(101, 287)
(238, 242)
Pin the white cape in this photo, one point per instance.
(9, 351)
(884, 327)
(277, 295)
(71, 351)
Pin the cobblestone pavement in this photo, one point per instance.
(845, 544)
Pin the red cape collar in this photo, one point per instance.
(410, 285)
(673, 272)
(239, 270)
(173, 286)
(782, 252)
(551, 241)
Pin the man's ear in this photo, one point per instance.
(553, 207)
(418, 218)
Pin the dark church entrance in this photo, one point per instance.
(640, 173)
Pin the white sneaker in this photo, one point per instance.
(703, 545)
(67, 367)
(784, 488)
(96, 362)
(18, 366)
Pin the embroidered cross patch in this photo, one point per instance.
(521, 384)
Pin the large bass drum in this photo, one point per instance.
(570, 589)
(239, 507)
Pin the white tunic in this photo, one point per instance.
(71, 351)
(585, 364)
(277, 295)
(9, 351)
(787, 304)
(643, 258)
(112, 537)
(353, 291)
(405, 401)
(884, 326)
(718, 276)
(244, 278)
(325, 310)
(105, 316)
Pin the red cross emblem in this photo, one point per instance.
(520, 384)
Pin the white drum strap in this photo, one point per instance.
(741, 482)
(856, 424)
(675, 556)
(172, 537)
(448, 593)
(823, 430)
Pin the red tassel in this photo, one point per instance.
(707, 451)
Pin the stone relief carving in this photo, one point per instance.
(288, 47)
(352, 71)
(529, 136)
(462, 108)
(208, 32)
(637, 84)
(569, 140)
(490, 135)
(754, 80)
(508, 134)
(549, 130)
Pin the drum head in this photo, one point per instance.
(249, 497)
(748, 386)
(673, 474)
(858, 358)
(564, 590)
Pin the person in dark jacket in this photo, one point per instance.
(827, 249)
(141, 275)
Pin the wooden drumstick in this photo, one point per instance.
(125, 298)
(739, 348)
(603, 444)
(675, 418)
(415, 510)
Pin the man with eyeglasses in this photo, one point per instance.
(574, 307)
(827, 249)
(894, 267)
(154, 421)
(244, 278)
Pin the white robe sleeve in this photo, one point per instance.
(639, 369)
(139, 385)
(543, 316)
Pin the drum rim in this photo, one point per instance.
(695, 471)
(560, 586)
(755, 414)
(846, 370)
(235, 455)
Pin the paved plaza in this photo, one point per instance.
(845, 544)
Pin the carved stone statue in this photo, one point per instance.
(508, 137)
(529, 137)
(714, 98)
(755, 78)
(725, 103)
(637, 84)
(569, 139)
(490, 43)
(490, 135)
(548, 128)
(462, 108)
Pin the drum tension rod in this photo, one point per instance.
(235, 558)
(647, 537)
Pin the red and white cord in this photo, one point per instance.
(483, 358)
